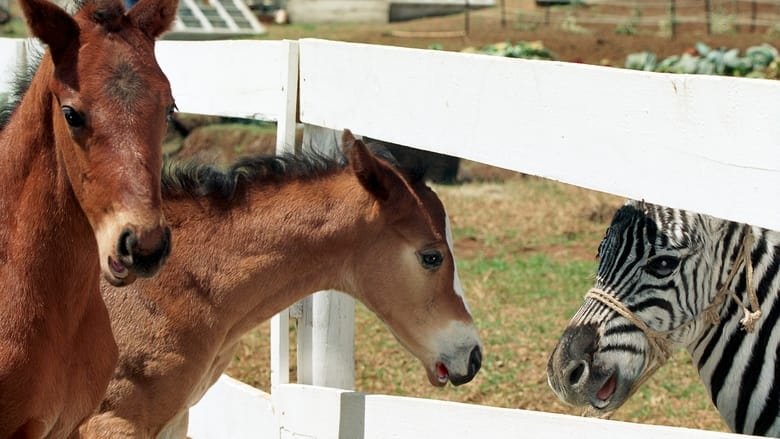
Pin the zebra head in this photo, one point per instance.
(654, 278)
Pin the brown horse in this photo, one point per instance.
(257, 238)
(80, 161)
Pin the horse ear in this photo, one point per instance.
(153, 17)
(52, 25)
(373, 175)
(347, 141)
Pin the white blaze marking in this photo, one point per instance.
(455, 282)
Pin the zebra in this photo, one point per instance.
(670, 279)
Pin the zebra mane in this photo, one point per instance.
(674, 227)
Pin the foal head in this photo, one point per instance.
(406, 272)
(110, 104)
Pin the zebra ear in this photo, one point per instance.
(643, 206)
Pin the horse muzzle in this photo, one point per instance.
(138, 253)
(454, 369)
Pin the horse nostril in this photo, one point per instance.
(127, 241)
(475, 360)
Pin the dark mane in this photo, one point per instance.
(202, 180)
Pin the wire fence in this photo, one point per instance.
(628, 16)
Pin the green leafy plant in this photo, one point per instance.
(757, 61)
(522, 49)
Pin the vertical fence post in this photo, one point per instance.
(286, 123)
(673, 17)
(285, 142)
(326, 328)
(708, 16)
(333, 336)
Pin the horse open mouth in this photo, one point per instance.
(118, 274)
(442, 374)
(117, 269)
(439, 376)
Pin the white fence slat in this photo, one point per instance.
(11, 51)
(280, 349)
(333, 340)
(326, 328)
(355, 415)
(232, 409)
(238, 78)
(288, 105)
(304, 332)
(703, 143)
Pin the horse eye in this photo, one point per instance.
(431, 259)
(73, 117)
(662, 266)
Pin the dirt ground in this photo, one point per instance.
(588, 43)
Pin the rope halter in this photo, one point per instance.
(661, 341)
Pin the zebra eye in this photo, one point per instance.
(431, 259)
(662, 266)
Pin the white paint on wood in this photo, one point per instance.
(15, 54)
(326, 413)
(704, 143)
(8, 58)
(280, 349)
(287, 110)
(227, 78)
(232, 409)
(303, 331)
(326, 329)
(333, 340)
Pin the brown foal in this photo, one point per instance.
(257, 238)
(80, 160)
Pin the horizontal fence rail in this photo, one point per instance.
(327, 413)
(703, 143)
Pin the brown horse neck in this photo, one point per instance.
(295, 237)
(35, 185)
(27, 142)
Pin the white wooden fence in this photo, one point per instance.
(707, 144)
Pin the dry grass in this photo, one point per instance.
(526, 251)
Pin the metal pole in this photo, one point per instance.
(708, 15)
(753, 14)
(466, 15)
(673, 17)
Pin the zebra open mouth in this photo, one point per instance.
(605, 393)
